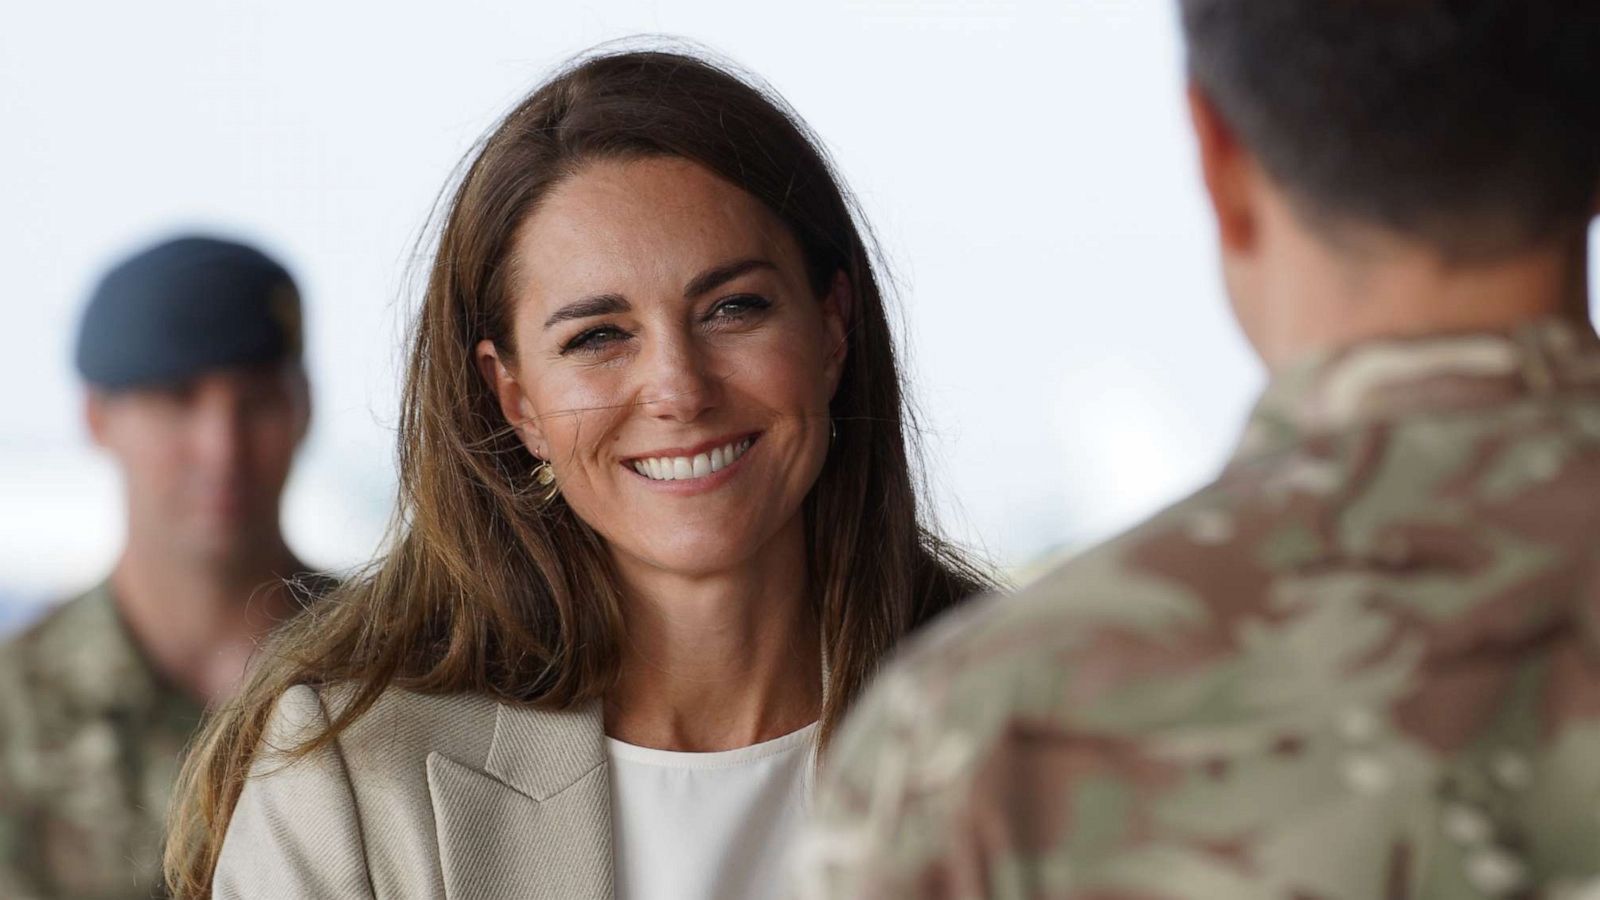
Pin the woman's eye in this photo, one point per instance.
(594, 339)
(739, 307)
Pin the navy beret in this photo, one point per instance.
(185, 306)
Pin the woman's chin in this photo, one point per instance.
(691, 553)
(703, 564)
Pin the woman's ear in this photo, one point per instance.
(838, 316)
(508, 393)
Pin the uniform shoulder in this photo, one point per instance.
(45, 634)
(42, 661)
(1475, 499)
(1149, 606)
(1130, 583)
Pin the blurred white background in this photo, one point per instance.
(1025, 163)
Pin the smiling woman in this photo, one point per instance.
(683, 408)
(659, 524)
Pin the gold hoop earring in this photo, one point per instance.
(544, 475)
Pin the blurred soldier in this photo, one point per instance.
(191, 354)
(1364, 663)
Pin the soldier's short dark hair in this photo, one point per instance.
(1473, 125)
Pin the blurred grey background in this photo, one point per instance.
(1025, 163)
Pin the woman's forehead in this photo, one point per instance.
(640, 222)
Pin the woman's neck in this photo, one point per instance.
(719, 661)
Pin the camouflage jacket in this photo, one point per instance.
(90, 739)
(1364, 663)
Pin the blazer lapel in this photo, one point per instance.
(536, 822)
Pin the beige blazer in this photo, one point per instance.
(456, 797)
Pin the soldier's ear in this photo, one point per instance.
(94, 415)
(303, 402)
(1227, 169)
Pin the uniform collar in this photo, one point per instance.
(94, 656)
(1380, 380)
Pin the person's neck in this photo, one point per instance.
(200, 622)
(1317, 298)
(718, 662)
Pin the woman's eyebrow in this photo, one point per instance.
(711, 279)
(589, 307)
(611, 304)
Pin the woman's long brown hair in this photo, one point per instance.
(483, 589)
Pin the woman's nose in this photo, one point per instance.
(680, 384)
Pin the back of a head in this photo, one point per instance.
(1469, 125)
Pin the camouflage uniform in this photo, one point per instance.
(1365, 663)
(90, 739)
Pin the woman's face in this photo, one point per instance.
(671, 362)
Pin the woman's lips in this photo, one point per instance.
(693, 467)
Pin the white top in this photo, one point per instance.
(708, 826)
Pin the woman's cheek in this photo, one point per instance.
(575, 407)
(786, 371)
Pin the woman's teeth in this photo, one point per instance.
(683, 468)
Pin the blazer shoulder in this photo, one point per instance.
(294, 808)
(400, 729)
(367, 790)
(297, 717)
(376, 785)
